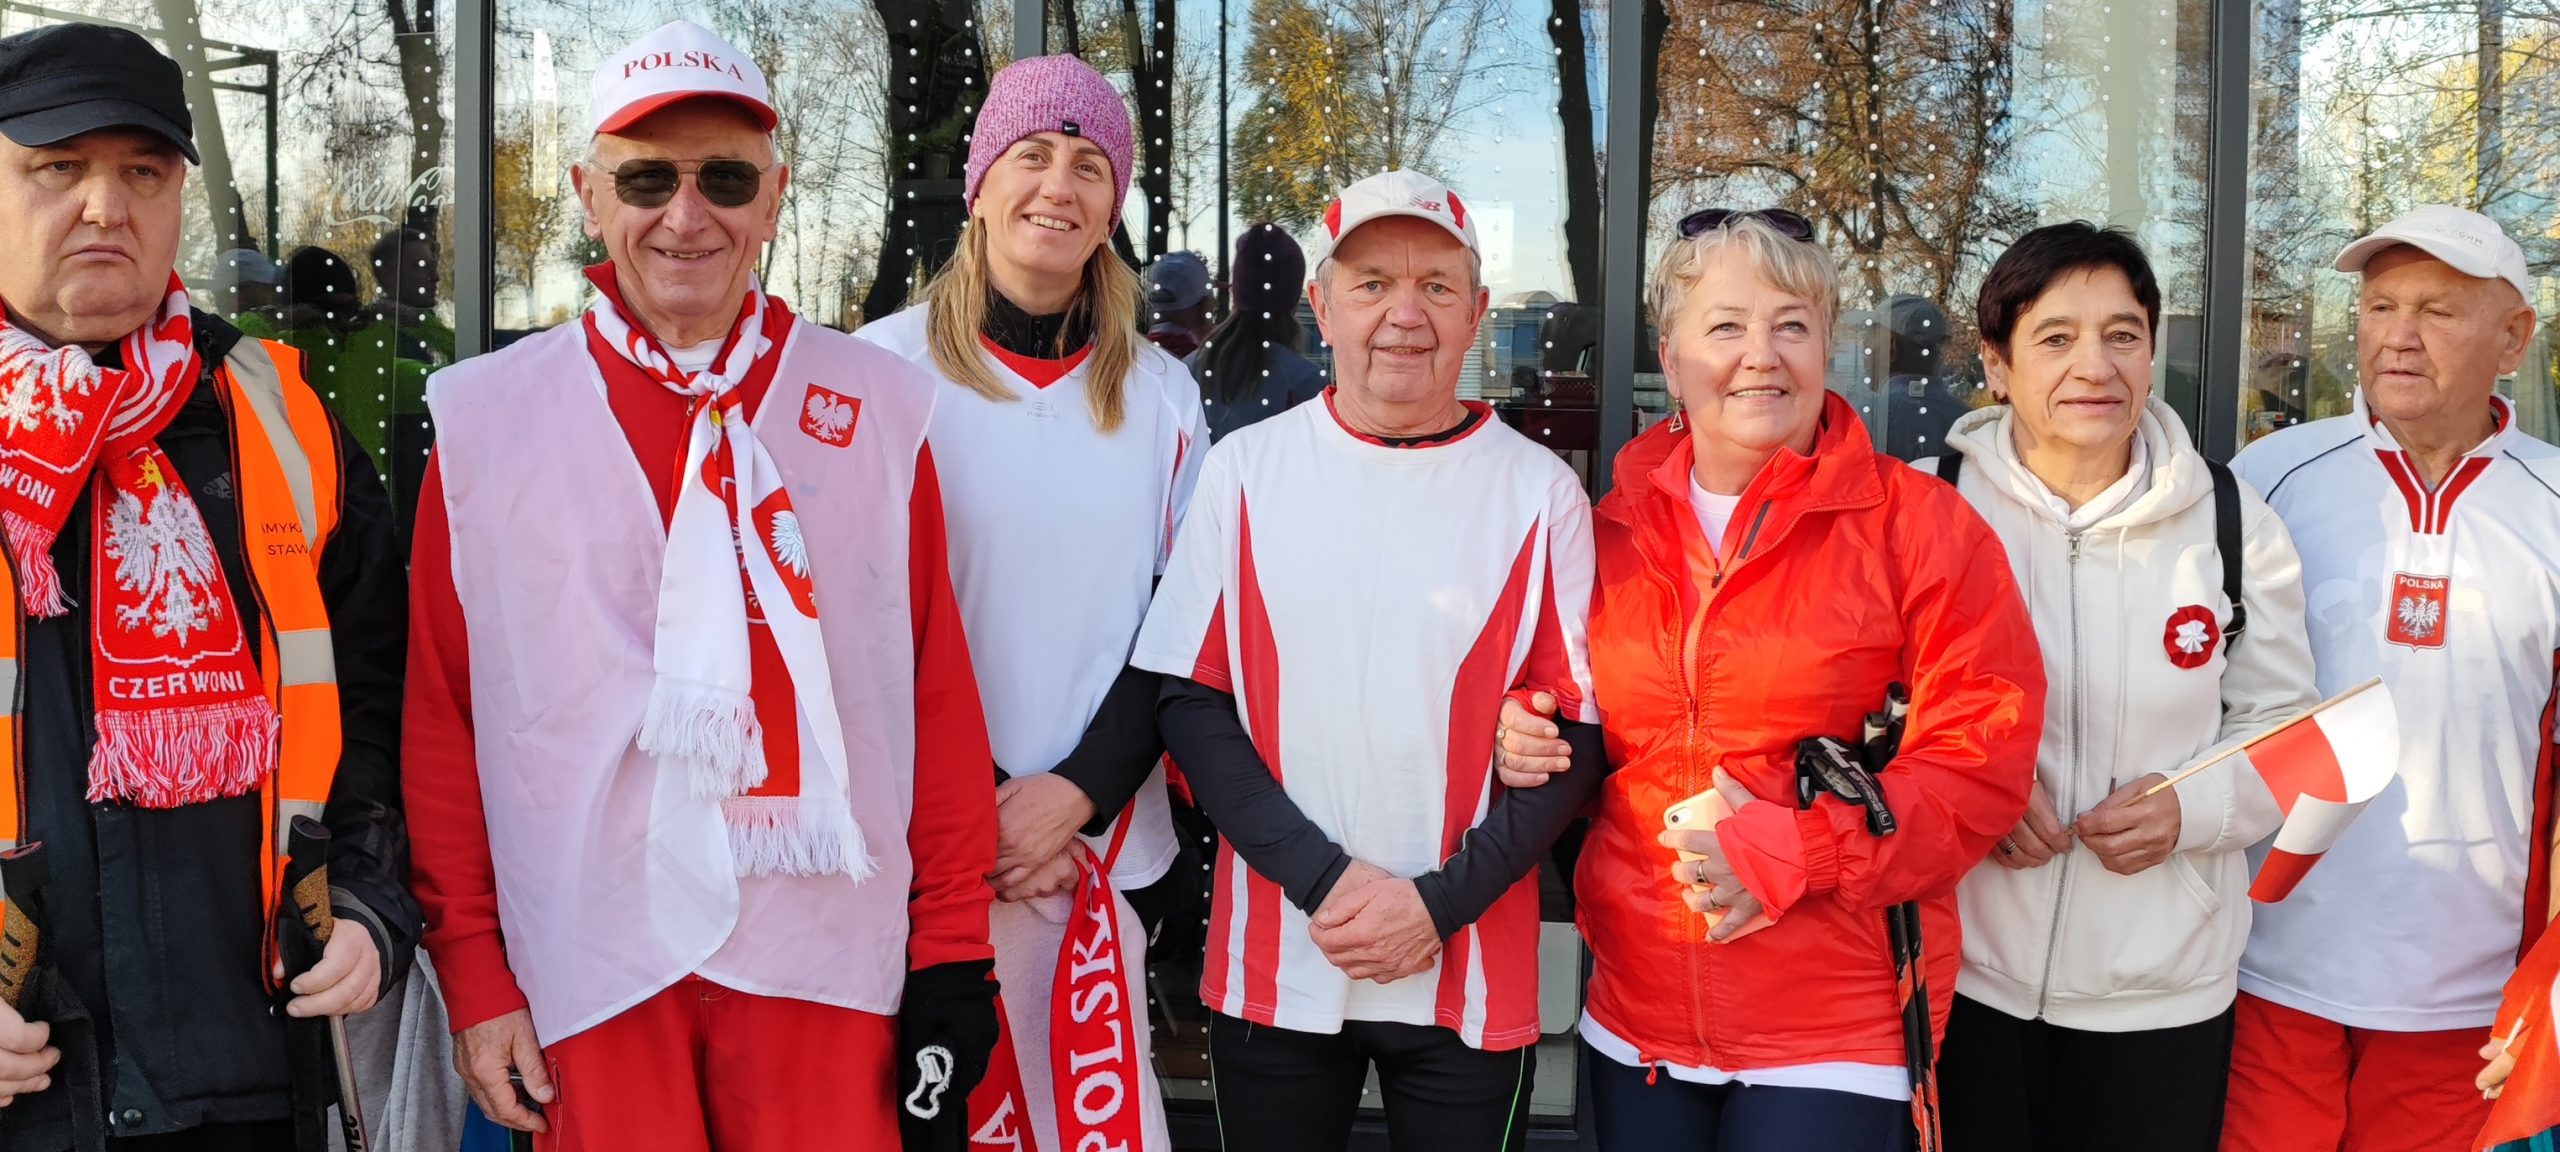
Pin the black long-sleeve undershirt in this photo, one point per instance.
(1118, 750)
(1277, 840)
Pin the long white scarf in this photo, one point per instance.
(714, 587)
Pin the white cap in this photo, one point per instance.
(1393, 193)
(680, 60)
(2472, 243)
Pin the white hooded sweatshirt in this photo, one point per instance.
(2129, 610)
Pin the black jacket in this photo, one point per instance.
(155, 919)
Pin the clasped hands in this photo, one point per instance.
(1374, 926)
(2128, 831)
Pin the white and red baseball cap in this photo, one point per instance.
(680, 61)
(1394, 193)
(2471, 243)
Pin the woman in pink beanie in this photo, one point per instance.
(1066, 446)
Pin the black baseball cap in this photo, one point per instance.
(62, 80)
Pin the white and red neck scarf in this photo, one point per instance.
(1090, 1032)
(182, 717)
(743, 702)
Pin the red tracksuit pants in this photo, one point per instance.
(2303, 1084)
(702, 1068)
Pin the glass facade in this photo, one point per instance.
(321, 215)
(343, 207)
(2361, 110)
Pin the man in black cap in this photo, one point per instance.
(205, 643)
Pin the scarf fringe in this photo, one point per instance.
(711, 731)
(788, 836)
(172, 757)
(31, 545)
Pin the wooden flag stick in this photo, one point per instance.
(2228, 753)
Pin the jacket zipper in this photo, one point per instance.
(2062, 880)
(1693, 656)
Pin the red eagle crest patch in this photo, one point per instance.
(2416, 611)
(829, 416)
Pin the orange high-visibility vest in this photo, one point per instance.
(285, 463)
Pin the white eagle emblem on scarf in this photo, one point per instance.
(163, 552)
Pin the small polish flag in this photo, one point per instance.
(2323, 768)
(2528, 1102)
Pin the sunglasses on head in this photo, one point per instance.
(650, 183)
(1789, 224)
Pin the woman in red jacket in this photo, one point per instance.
(1764, 577)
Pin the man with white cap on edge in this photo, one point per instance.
(1357, 585)
(706, 799)
(2429, 527)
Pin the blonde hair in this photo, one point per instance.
(1107, 301)
(1795, 267)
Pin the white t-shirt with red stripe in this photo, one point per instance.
(2413, 920)
(1368, 605)
(1058, 531)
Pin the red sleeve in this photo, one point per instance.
(450, 871)
(951, 835)
(1968, 753)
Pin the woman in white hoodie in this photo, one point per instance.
(2102, 936)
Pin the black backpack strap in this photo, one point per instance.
(2226, 540)
(1950, 463)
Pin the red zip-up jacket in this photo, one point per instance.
(951, 840)
(1842, 572)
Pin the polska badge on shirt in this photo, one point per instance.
(2191, 636)
(828, 416)
(2415, 616)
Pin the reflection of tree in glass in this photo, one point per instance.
(1346, 88)
(1884, 120)
(937, 70)
(2372, 107)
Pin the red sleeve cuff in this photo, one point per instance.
(1777, 855)
(1821, 851)
(478, 986)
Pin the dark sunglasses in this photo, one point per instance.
(650, 183)
(1788, 224)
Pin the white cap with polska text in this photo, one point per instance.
(1393, 193)
(679, 61)
(2471, 243)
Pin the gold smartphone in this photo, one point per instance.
(1704, 811)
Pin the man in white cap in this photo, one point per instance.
(1358, 583)
(706, 801)
(2429, 527)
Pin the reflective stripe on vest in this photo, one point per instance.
(284, 454)
(285, 462)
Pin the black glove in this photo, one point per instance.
(946, 1030)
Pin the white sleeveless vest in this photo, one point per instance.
(613, 882)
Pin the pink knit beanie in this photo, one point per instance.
(1051, 94)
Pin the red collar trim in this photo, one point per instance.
(1041, 373)
(1483, 411)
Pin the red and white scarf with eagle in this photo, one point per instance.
(182, 717)
(743, 702)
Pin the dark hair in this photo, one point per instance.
(2030, 267)
(1269, 276)
(316, 276)
(385, 252)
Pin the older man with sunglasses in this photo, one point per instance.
(680, 668)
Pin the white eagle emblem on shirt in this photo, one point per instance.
(2420, 616)
(2192, 637)
(829, 417)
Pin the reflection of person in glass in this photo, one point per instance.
(1067, 447)
(248, 288)
(740, 929)
(405, 267)
(205, 601)
(2430, 544)
(1359, 582)
(1766, 580)
(1251, 367)
(2075, 1013)
(1919, 406)
(1179, 293)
